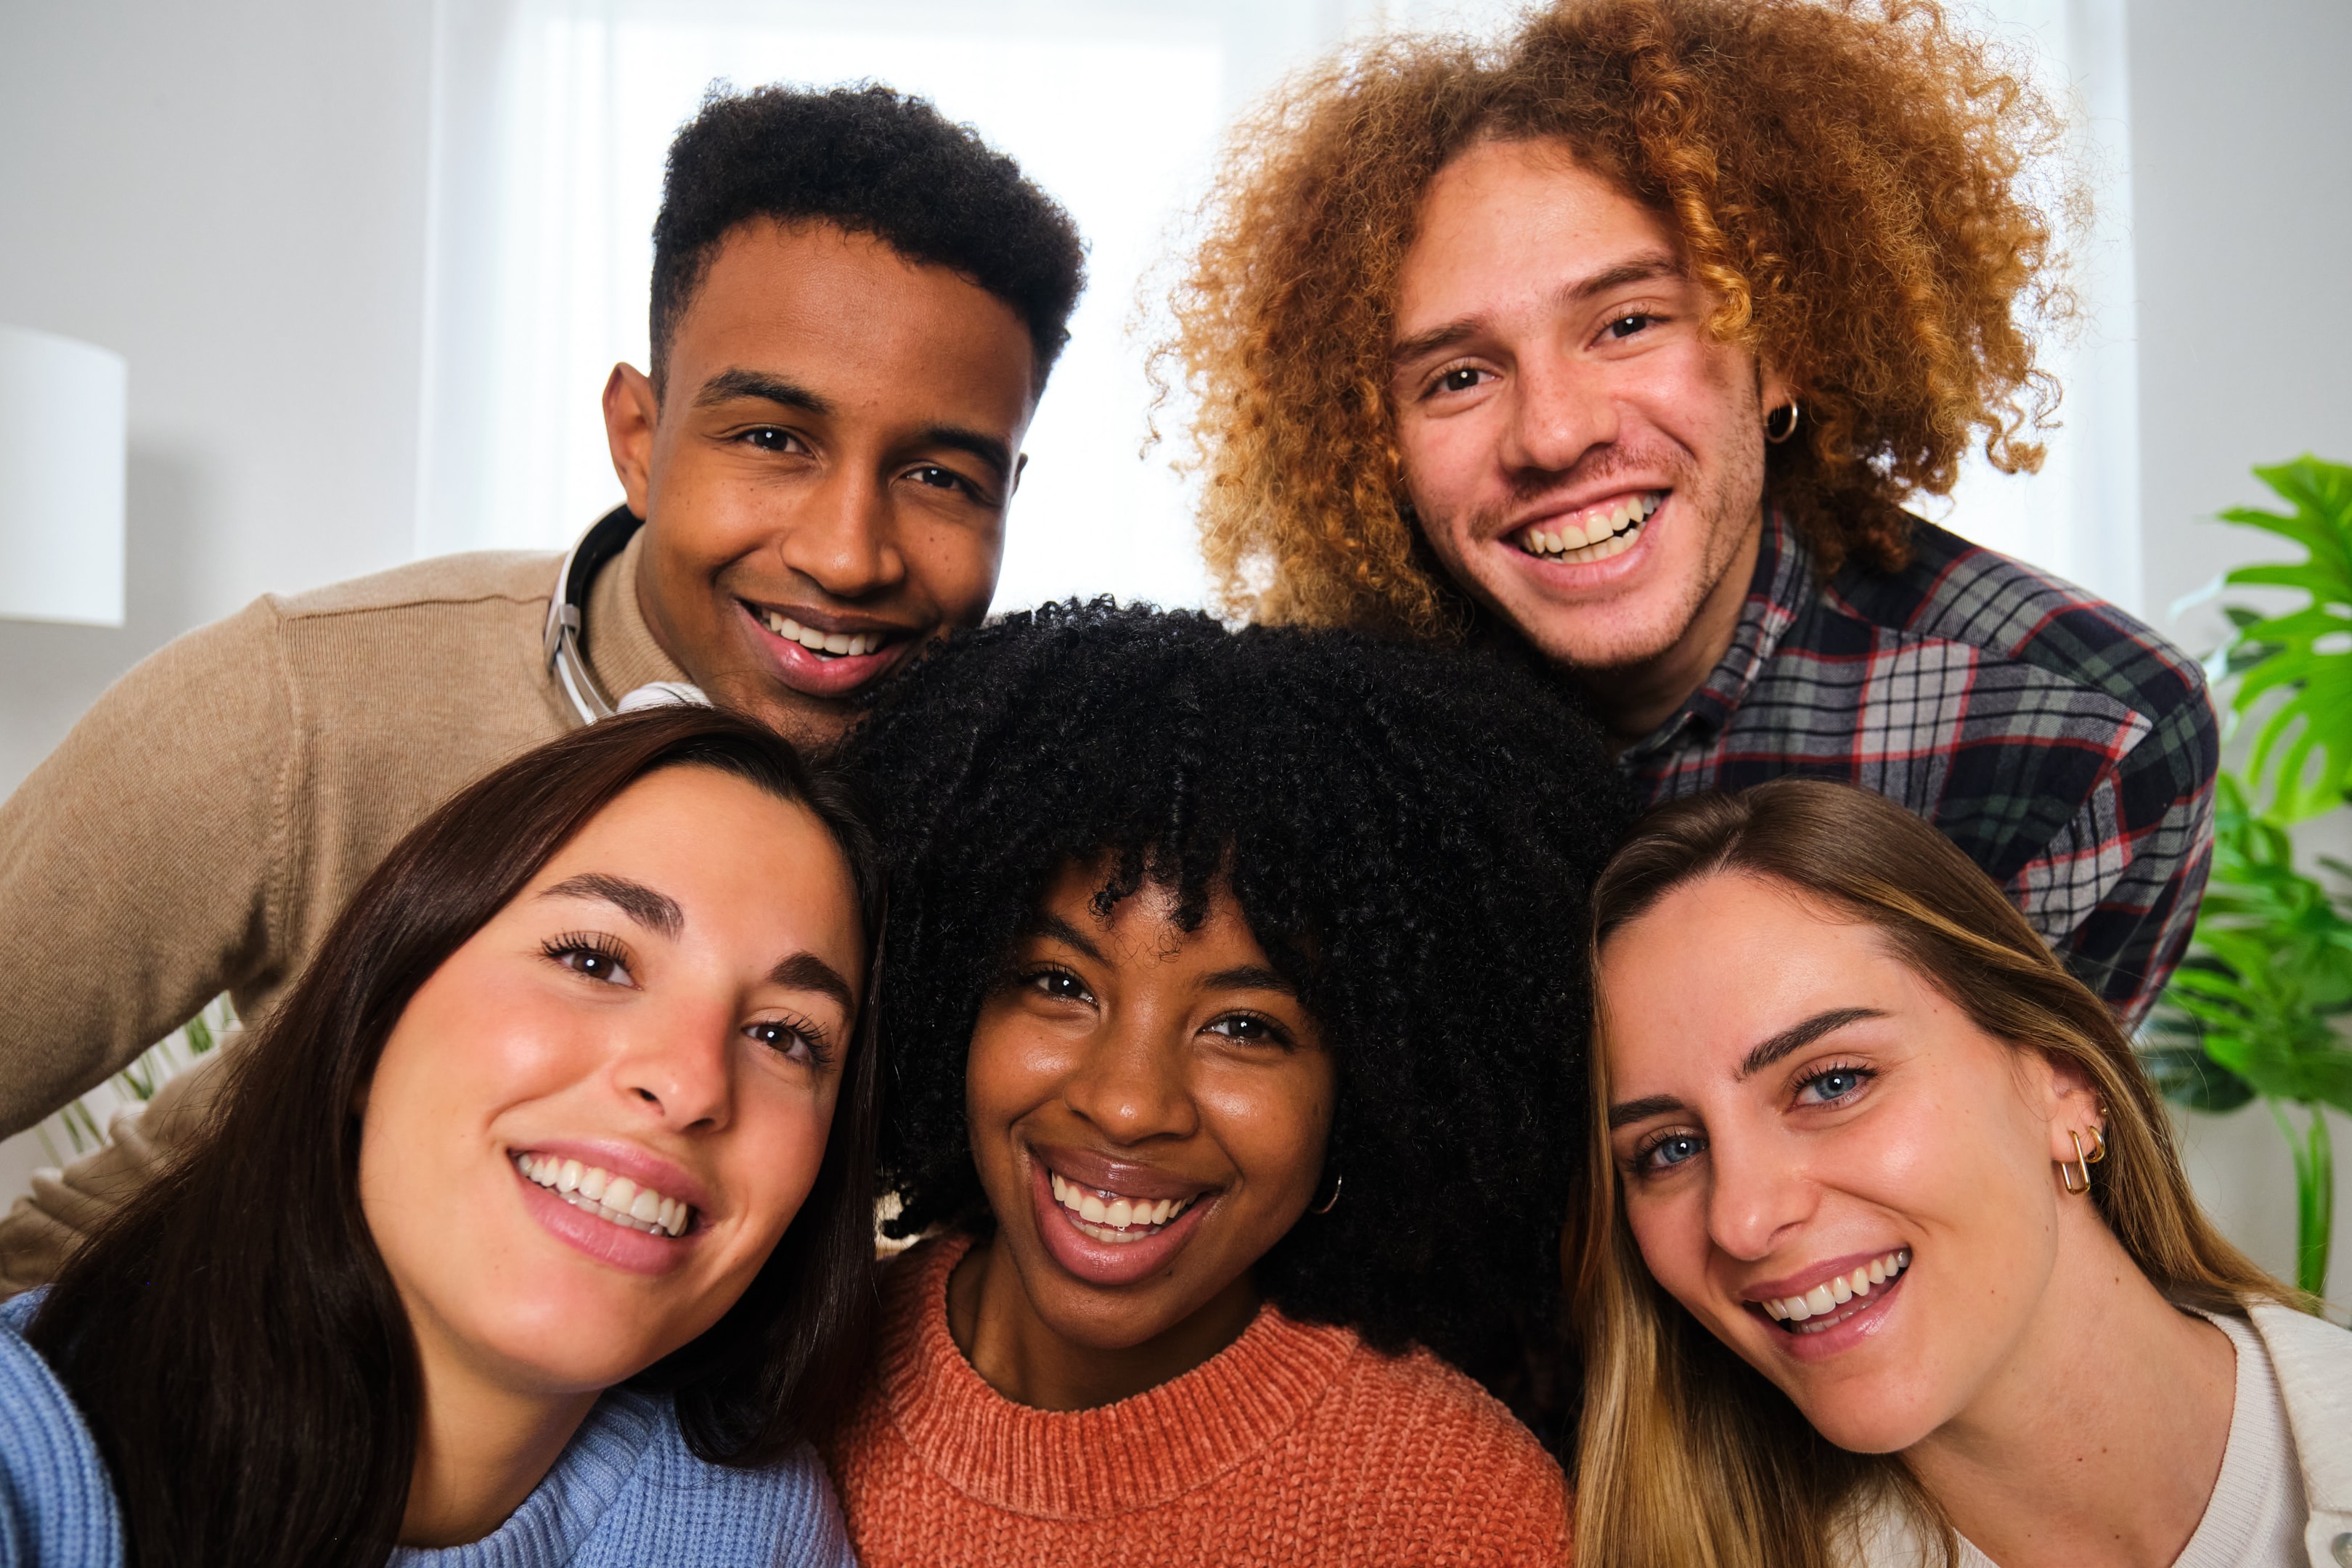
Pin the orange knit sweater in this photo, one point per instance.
(1293, 1446)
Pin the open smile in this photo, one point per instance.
(1836, 1299)
(619, 1216)
(1592, 533)
(824, 662)
(1119, 1225)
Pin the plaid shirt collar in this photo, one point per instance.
(1783, 584)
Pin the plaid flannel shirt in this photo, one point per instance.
(2068, 749)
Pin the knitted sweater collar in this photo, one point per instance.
(1090, 1464)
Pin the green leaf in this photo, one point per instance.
(2302, 750)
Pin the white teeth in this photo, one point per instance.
(1604, 534)
(1119, 1220)
(1828, 1296)
(834, 643)
(608, 1198)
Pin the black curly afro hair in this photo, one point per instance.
(1411, 835)
(870, 160)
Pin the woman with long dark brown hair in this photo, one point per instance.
(536, 1226)
(1888, 1256)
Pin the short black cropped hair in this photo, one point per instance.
(1411, 835)
(870, 160)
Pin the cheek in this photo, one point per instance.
(1670, 1232)
(1275, 1127)
(778, 1151)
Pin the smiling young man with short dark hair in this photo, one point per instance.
(856, 306)
(1626, 345)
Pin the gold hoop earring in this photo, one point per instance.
(2082, 1162)
(1337, 1183)
(1777, 435)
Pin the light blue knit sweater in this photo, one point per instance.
(628, 1493)
(56, 1506)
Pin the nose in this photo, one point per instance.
(1759, 1190)
(678, 1066)
(1560, 410)
(844, 536)
(1132, 1086)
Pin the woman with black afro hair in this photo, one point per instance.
(1235, 989)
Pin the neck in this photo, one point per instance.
(1023, 1358)
(1634, 699)
(2101, 1439)
(481, 1446)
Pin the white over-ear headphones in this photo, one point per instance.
(599, 545)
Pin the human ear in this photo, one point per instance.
(631, 412)
(2070, 1096)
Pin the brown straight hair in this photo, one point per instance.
(232, 1335)
(1689, 1458)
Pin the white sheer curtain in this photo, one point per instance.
(550, 122)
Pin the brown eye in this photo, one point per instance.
(592, 958)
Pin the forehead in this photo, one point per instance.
(1506, 220)
(1142, 931)
(1723, 964)
(851, 317)
(739, 860)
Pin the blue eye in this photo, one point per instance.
(1833, 1085)
(1672, 1149)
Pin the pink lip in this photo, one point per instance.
(626, 1159)
(631, 1251)
(1591, 574)
(1560, 510)
(814, 675)
(1864, 1316)
(1813, 1274)
(1104, 1263)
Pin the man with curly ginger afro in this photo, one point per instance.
(854, 305)
(1625, 344)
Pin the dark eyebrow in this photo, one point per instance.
(1799, 1035)
(807, 972)
(956, 439)
(655, 911)
(1060, 929)
(1638, 270)
(1249, 977)
(1641, 1110)
(728, 384)
(1794, 1038)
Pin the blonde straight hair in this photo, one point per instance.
(1689, 1457)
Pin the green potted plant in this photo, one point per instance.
(2257, 1009)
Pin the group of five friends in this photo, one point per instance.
(1333, 1123)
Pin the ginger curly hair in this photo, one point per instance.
(1854, 180)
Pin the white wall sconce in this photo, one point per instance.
(64, 413)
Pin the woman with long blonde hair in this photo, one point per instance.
(1888, 1255)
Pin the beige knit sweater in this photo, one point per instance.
(201, 826)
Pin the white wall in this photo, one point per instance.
(2241, 142)
(231, 195)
